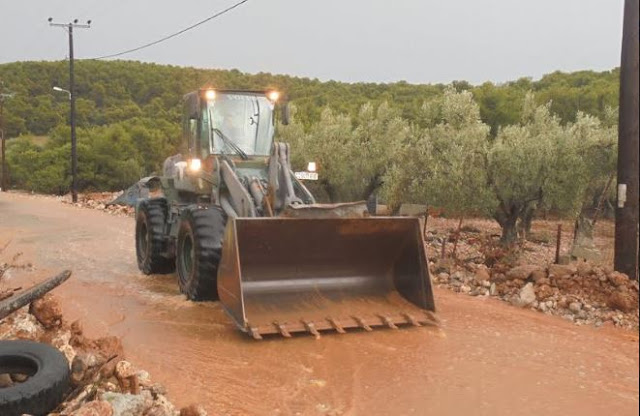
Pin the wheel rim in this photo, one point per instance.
(187, 258)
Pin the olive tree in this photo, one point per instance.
(443, 164)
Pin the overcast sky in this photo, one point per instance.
(420, 41)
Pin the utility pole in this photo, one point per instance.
(626, 234)
(74, 155)
(3, 184)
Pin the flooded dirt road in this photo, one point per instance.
(487, 359)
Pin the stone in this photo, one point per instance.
(76, 328)
(126, 404)
(492, 289)
(584, 269)
(157, 389)
(124, 369)
(5, 380)
(538, 275)
(47, 311)
(618, 279)
(78, 370)
(19, 377)
(465, 289)
(22, 325)
(561, 270)
(521, 272)
(193, 410)
(526, 296)
(161, 407)
(543, 291)
(575, 307)
(482, 275)
(543, 281)
(457, 275)
(622, 301)
(94, 408)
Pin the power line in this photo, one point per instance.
(220, 13)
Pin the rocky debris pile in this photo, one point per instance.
(581, 292)
(103, 383)
(100, 201)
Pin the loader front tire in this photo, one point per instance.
(199, 250)
(151, 243)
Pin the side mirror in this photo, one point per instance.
(286, 114)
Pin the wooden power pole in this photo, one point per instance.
(626, 234)
(72, 100)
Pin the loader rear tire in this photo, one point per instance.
(199, 250)
(151, 242)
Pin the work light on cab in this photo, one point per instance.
(210, 95)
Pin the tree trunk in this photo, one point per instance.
(508, 224)
(526, 220)
(330, 190)
(372, 186)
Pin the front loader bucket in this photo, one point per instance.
(284, 275)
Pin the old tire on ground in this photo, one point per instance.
(199, 250)
(43, 390)
(151, 243)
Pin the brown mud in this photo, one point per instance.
(487, 358)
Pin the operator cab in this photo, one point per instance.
(229, 122)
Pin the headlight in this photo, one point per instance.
(195, 165)
(273, 96)
(210, 95)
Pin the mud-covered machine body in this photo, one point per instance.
(236, 226)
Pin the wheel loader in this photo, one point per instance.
(236, 226)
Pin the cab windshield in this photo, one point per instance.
(244, 119)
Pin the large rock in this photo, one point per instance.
(47, 311)
(482, 275)
(622, 301)
(161, 407)
(521, 272)
(526, 296)
(584, 269)
(618, 279)
(127, 404)
(538, 275)
(561, 270)
(21, 325)
(193, 410)
(94, 408)
(544, 292)
(124, 369)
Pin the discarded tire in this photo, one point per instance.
(151, 243)
(199, 251)
(48, 372)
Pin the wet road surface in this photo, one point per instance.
(487, 359)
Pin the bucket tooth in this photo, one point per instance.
(311, 328)
(362, 323)
(388, 322)
(253, 331)
(411, 319)
(336, 325)
(282, 329)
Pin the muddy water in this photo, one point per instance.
(487, 359)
